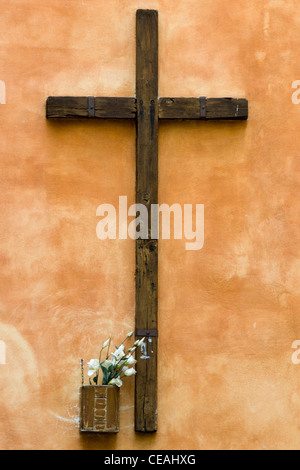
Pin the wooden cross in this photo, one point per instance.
(146, 109)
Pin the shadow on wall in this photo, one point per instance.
(93, 441)
(90, 441)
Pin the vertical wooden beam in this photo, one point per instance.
(147, 194)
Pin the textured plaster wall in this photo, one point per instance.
(228, 314)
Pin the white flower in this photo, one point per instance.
(139, 342)
(130, 361)
(118, 382)
(119, 353)
(130, 334)
(121, 364)
(93, 366)
(106, 343)
(130, 372)
(108, 363)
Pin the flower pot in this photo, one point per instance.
(99, 408)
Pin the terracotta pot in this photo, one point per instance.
(99, 408)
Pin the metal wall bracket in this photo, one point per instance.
(147, 333)
(202, 107)
(91, 106)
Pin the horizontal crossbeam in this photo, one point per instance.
(168, 108)
(192, 108)
(69, 107)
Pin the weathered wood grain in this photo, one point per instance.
(99, 408)
(126, 108)
(216, 108)
(69, 107)
(147, 194)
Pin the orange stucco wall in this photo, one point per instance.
(229, 313)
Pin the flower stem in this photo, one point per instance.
(107, 354)
(99, 367)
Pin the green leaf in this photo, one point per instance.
(95, 379)
(118, 374)
(105, 375)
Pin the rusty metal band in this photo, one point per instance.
(202, 107)
(147, 333)
(91, 106)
